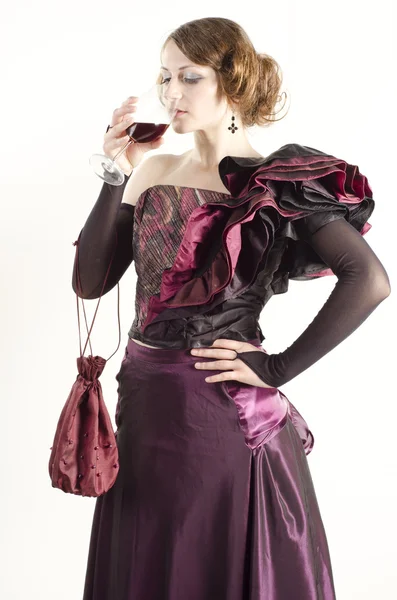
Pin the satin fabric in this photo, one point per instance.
(214, 499)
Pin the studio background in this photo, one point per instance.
(65, 68)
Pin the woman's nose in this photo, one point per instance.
(173, 90)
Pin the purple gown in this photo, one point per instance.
(214, 499)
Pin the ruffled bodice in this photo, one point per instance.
(162, 215)
(208, 262)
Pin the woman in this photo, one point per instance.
(214, 497)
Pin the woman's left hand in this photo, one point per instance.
(233, 368)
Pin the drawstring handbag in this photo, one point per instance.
(84, 458)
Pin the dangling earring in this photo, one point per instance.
(233, 127)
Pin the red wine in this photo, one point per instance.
(146, 132)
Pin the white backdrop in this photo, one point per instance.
(65, 67)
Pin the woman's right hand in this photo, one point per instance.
(116, 138)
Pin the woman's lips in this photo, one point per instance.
(180, 112)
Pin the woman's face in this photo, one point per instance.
(194, 89)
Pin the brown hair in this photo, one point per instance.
(252, 80)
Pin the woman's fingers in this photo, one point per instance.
(120, 113)
(130, 99)
(117, 142)
(120, 128)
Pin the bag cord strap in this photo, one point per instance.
(79, 288)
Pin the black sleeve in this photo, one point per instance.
(108, 230)
(361, 286)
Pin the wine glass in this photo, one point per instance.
(151, 120)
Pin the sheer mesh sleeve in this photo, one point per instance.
(362, 284)
(109, 224)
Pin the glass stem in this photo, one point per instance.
(130, 141)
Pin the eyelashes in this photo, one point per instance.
(186, 79)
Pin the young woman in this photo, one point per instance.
(214, 499)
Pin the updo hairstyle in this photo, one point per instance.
(247, 78)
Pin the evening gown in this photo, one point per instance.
(214, 498)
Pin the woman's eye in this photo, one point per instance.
(186, 79)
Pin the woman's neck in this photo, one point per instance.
(206, 159)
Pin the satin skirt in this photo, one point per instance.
(214, 498)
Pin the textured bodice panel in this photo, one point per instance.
(161, 216)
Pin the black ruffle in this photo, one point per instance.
(310, 189)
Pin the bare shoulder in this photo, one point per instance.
(148, 173)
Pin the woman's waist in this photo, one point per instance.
(163, 354)
(180, 334)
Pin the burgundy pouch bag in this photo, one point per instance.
(84, 458)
